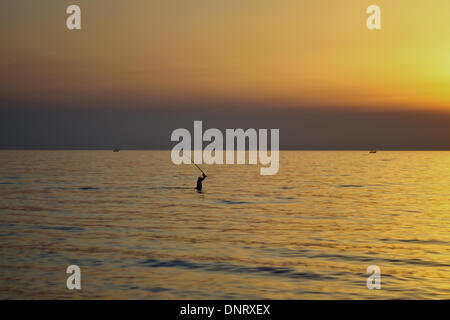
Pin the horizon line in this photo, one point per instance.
(224, 150)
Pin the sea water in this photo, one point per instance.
(134, 224)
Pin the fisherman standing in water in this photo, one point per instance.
(199, 182)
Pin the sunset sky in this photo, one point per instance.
(280, 54)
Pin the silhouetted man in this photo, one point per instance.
(199, 182)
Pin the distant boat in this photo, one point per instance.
(116, 150)
(373, 151)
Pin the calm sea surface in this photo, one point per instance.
(136, 227)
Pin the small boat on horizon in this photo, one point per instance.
(373, 151)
